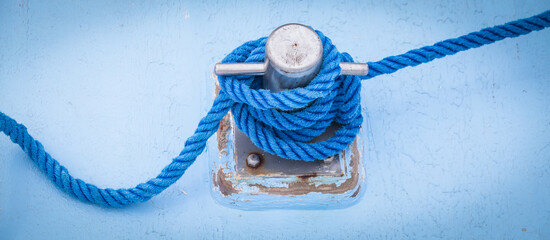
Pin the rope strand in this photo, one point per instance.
(451, 46)
(328, 98)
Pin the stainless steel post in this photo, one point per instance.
(294, 54)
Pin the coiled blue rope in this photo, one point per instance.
(329, 97)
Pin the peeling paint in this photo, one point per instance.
(223, 130)
(304, 184)
(259, 188)
(225, 186)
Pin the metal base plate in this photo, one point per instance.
(278, 182)
(274, 165)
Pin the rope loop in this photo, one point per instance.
(239, 90)
(285, 123)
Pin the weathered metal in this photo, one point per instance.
(334, 182)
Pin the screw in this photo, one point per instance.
(253, 160)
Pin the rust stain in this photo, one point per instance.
(220, 179)
(225, 125)
(356, 191)
(304, 186)
(225, 186)
(214, 180)
(221, 135)
(306, 177)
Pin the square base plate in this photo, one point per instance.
(278, 182)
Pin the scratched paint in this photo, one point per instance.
(112, 89)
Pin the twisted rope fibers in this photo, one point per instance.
(307, 112)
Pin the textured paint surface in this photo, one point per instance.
(459, 148)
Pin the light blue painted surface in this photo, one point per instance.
(460, 147)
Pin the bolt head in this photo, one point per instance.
(253, 160)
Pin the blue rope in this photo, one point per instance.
(287, 134)
(451, 46)
(328, 98)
